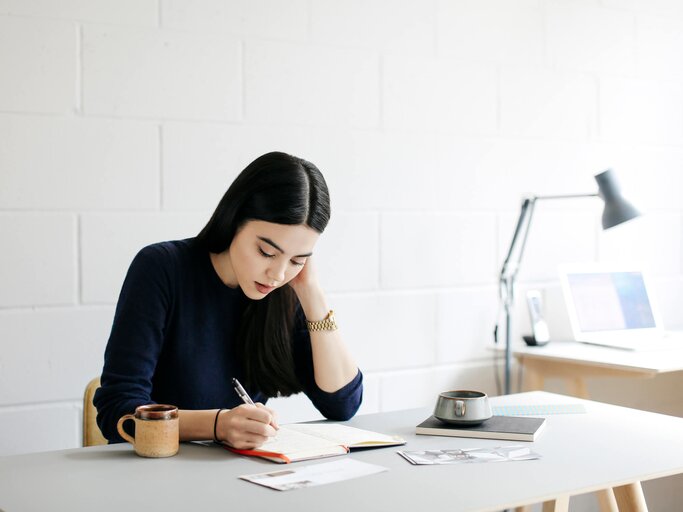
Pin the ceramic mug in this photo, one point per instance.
(463, 407)
(157, 432)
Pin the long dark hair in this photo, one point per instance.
(282, 189)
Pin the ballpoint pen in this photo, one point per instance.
(241, 392)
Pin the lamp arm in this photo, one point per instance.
(510, 266)
(566, 196)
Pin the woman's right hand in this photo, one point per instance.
(246, 426)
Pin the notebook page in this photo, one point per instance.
(290, 441)
(343, 434)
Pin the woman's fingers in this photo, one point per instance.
(246, 441)
(273, 416)
(259, 428)
(247, 426)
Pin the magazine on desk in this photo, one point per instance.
(306, 441)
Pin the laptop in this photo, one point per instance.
(614, 308)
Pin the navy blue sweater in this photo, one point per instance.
(173, 341)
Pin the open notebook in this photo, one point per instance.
(305, 441)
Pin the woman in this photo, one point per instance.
(241, 300)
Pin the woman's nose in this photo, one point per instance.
(276, 272)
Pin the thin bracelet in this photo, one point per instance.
(215, 424)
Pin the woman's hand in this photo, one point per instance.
(309, 292)
(306, 280)
(246, 426)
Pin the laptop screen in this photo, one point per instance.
(610, 301)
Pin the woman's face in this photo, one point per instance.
(265, 256)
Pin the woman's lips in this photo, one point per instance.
(263, 288)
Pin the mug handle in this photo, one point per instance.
(460, 408)
(123, 433)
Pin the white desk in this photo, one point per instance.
(609, 446)
(575, 362)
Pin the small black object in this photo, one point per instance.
(531, 341)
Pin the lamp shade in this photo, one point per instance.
(617, 209)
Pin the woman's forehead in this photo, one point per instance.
(290, 238)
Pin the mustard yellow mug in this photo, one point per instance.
(157, 432)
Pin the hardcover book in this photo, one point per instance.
(306, 441)
(512, 428)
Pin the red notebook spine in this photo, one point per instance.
(259, 453)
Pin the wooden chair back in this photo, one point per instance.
(91, 432)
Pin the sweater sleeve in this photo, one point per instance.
(339, 405)
(135, 342)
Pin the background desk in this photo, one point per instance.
(575, 362)
(609, 446)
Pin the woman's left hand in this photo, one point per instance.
(308, 291)
(305, 281)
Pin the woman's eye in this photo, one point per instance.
(264, 253)
(298, 263)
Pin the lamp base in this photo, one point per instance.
(532, 342)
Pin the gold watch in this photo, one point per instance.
(326, 324)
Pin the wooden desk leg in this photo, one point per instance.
(607, 501)
(533, 380)
(561, 504)
(577, 387)
(630, 498)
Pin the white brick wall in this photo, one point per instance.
(644, 110)
(272, 19)
(49, 354)
(29, 276)
(446, 95)
(658, 38)
(34, 53)
(161, 74)
(310, 84)
(495, 30)
(78, 164)
(587, 37)
(122, 123)
(123, 12)
(547, 104)
(465, 319)
(437, 250)
(407, 27)
(347, 257)
(29, 422)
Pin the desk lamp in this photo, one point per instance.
(616, 211)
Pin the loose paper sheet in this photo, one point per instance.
(468, 455)
(315, 474)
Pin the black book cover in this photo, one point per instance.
(514, 428)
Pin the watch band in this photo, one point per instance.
(326, 324)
